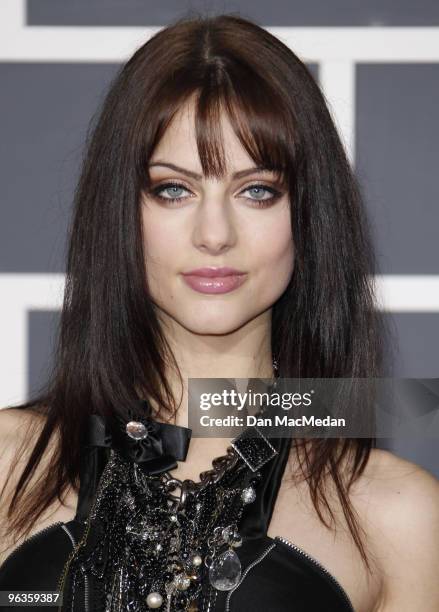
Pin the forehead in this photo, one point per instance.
(179, 146)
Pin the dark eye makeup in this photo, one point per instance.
(176, 186)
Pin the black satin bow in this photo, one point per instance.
(159, 451)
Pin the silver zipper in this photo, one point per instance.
(247, 569)
(321, 567)
(86, 594)
(30, 539)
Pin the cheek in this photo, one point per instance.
(159, 256)
(155, 241)
(274, 250)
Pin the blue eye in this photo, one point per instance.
(260, 191)
(173, 189)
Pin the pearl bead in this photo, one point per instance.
(197, 560)
(154, 600)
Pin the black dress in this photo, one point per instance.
(277, 576)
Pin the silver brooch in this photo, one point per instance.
(136, 430)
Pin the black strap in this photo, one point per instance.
(257, 515)
(93, 461)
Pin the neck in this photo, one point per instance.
(242, 354)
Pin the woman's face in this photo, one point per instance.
(241, 222)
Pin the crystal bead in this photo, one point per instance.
(248, 495)
(182, 582)
(143, 531)
(225, 571)
(228, 534)
(136, 430)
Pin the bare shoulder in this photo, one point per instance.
(14, 420)
(392, 492)
(389, 479)
(17, 426)
(398, 501)
(19, 429)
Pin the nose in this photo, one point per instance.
(215, 228)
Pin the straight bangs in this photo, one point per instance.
(260, 119)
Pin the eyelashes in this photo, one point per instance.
(176, 186)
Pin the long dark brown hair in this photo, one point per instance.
(110, 346)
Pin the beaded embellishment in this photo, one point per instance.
(152, 541)
(155, 542)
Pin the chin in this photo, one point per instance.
(200, 322)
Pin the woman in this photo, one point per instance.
(214, 149)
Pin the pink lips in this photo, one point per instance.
(214, 280)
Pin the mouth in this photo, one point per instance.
(212, 272)
(214, 280)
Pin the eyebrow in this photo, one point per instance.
(198, 177)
